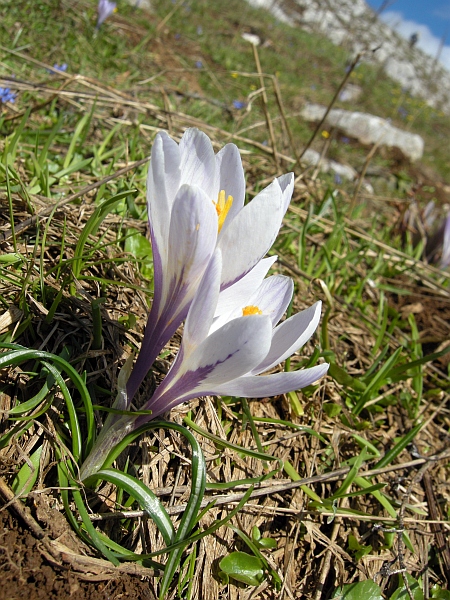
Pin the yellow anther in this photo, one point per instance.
(222, 207)
(251, 310)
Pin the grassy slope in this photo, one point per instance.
(140, 73)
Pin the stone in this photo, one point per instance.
(312, 158)
(368, 129)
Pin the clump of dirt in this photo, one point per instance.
(26, 572)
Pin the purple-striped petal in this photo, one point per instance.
(201, 313)
(225, 355)
(191, 241)
(263, 386)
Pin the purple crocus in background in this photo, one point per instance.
(431, 226)
(105, 9)
(195, 203)
(229, 339)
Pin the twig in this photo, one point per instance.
(330, 106)
(277, 487)
(265, 107)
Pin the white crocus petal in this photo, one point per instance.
(192, 240)
(271, 298)
(263, 386)
(198, 162)
(286, 183)
(231, 179)
(251, 233)
(201, 313)
(163, 182)
(291, 335)
(237, 294)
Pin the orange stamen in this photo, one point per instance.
(251, 310)
(222, 207)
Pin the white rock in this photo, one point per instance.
(368, 129)
(312, 158)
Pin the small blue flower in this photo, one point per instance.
(62, 68)
(177, 36)
(6, 95)
(238, 105)
(337, 179)
(345, 139)
(402, 112)
(199, 64)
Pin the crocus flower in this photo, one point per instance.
(431, 226)
(230, 338)
(195, 203)
(105, 9)
(225, 348)
(445, 256)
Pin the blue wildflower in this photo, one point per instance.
(199, 64)
(337, 179)
(62, 68)
(238, 105)
(6, 95)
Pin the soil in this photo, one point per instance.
(26, 572)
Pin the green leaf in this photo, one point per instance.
(331, 409)
(25, 479)
(146, 498)
(243, 567)
(439, 593)
(342, 377)
(137, 244)
(402, 593)
(367, 590)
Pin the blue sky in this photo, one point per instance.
(429, 18)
